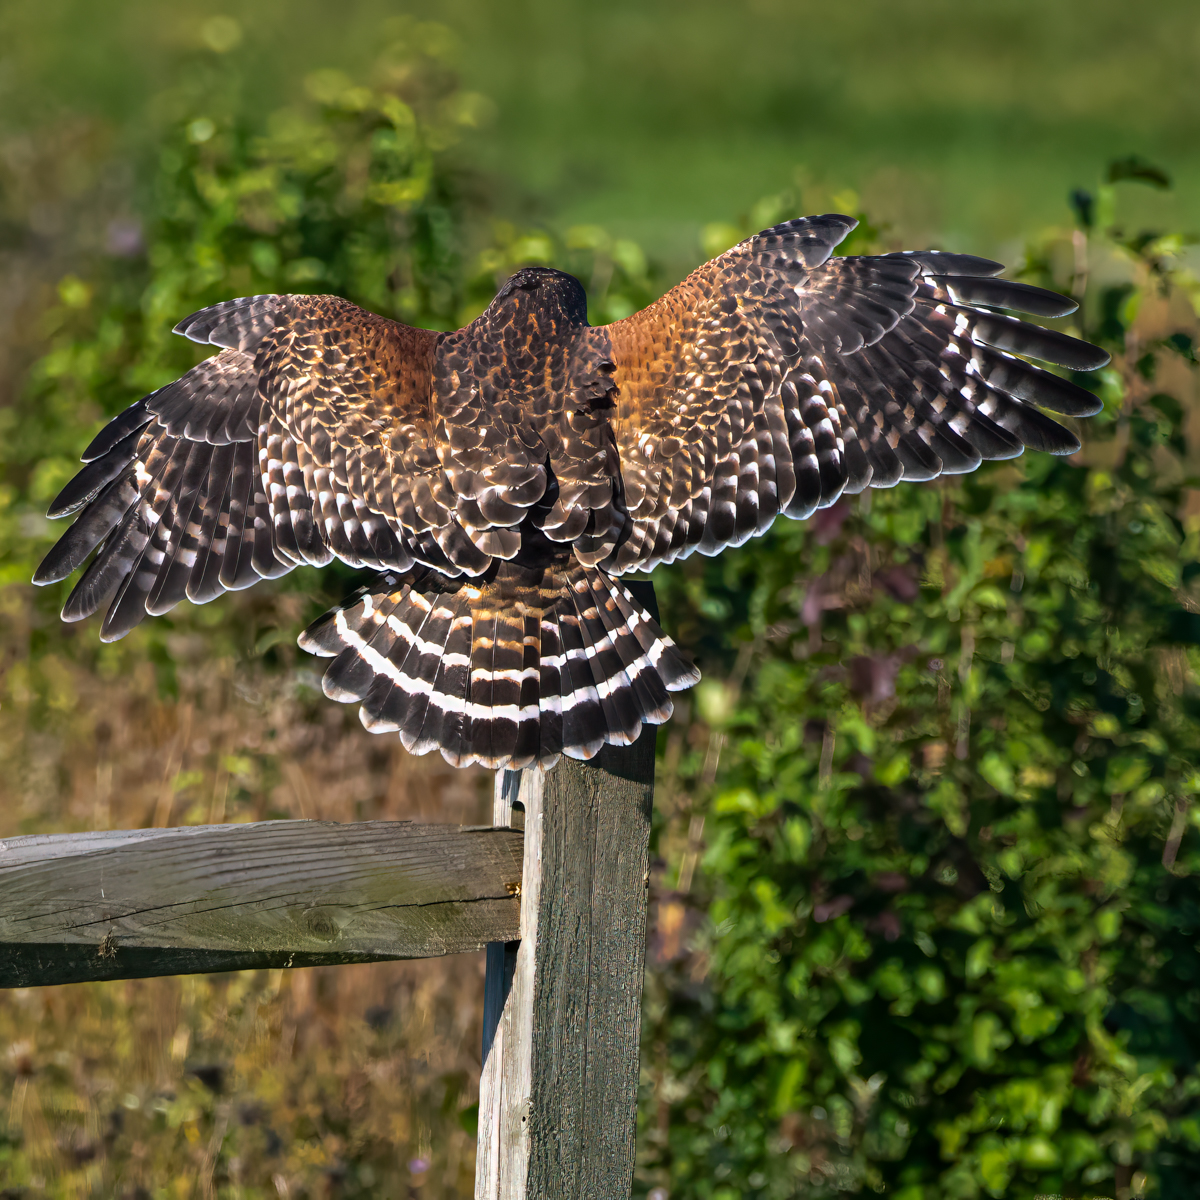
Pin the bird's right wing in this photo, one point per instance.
(775, 377)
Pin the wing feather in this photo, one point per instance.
(775, 378)
(275, 451)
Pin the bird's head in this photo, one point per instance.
(545, 292)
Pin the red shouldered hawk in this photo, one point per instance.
(503, 477)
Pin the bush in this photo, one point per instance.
(945, 923)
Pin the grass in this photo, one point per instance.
(962, 123)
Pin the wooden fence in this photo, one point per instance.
(555, 889)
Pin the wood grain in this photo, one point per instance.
(126, 904)
(587, 1010)
(562, 1009)
(505, 1084)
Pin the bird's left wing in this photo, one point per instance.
(308, 435)
(775, 378)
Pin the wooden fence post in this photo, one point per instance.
(562, 1007)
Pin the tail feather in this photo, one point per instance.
(623, 659)
(551, 681)
(393, 696)
(582, 716)
(445, 672)
(538, 728)
(422, 666)
(354, 671)
(478, 641)
(447, 723)
(649, 687)
(496, 688)
(613, 689)
(509, 670)
(670, 665)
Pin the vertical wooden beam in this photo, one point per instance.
(562, 1008)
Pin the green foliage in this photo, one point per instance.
(615, 271)
(951, 937)
(668, 116)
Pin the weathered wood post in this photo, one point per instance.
(562, 1007)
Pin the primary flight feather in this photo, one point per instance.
(502, 478)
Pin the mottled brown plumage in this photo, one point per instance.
(502, 476)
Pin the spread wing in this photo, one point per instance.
(775, 378)
(308, 435)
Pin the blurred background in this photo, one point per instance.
(862, 865)
(963, 123)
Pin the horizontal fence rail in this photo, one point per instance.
(130, 904)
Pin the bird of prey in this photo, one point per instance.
(502, 478)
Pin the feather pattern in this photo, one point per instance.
(502, 477)
(775, 378)
(517, 668)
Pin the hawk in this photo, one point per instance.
(502, 478)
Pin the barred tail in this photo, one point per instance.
(510, 669)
